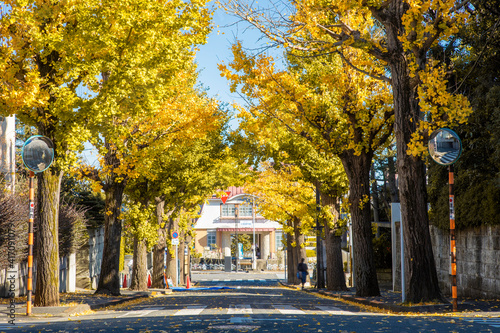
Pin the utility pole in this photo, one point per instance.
(8, 151)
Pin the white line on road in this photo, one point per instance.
(287, 309)
(240, 309)
(140, 313)
(191, 310)
(334, 310)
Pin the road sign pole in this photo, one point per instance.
(30, 241)
(177, 265)
(453, 249)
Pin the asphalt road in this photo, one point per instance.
(250, 304)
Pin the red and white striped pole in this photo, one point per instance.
(453, 249)
(30, 241)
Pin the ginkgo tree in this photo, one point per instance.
(132, 149)
(283, 196)
(398, 33)
(338, 110)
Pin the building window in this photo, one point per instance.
(211, 239)
(227, 210)
(245, 210)
(279, 240)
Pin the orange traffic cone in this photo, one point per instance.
(125, 281)
(188, 283)
(149, 280)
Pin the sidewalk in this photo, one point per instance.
(79, 302)
(392, 301)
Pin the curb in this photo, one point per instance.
(377, 304)
(56, 311)
(118, 301)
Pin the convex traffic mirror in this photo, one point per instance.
(38, 153)
(445, 146)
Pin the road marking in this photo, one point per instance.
(334, 310)
(215, 280)
(227, 280)
(287, 309)
(140, 313)
(191, 310)
(240, 309)
(493, 322)
(6, 327)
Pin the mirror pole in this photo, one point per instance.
(30, 241)
(453, 251)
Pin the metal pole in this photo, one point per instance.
(236, 233)
(403, 277)
(30, 241)
(453, 250)
(254, 258)
(177, 265)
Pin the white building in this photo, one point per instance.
(218, 224)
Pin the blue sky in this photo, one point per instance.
(217, 49)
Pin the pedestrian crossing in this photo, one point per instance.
(447, 157)
(493, 322)
(237, 309)
(7, 327)
(237, 280)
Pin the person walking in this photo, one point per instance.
(302, 272)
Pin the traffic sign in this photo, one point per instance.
(175, 235)
(175, 241)
(225, 196)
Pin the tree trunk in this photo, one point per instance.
(393, 188)
(159, 248)
(421, 274)
(139, 266)
(335, 277)
(187, 258)
(419, 261)
(181, 259)
(374, 196)
(358, 171)
(109, 279)
(291, 260)
(47, 239)
(300, 250)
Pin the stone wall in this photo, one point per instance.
(478, 261)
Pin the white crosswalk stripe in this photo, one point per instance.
(240, 309)
(140, 313)
(334, 310)
(288, 309)
(192, 310)
(493, 322)
(7, 327)
(237, 309)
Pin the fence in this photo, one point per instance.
(67, 277)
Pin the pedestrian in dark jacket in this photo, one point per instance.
(302, 272)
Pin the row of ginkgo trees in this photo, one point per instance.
(122, 76)
(356, 71)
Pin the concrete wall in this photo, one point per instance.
(96, 246)
(478, 261)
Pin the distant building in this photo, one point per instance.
(218, 224)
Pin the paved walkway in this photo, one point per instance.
(85, 300)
